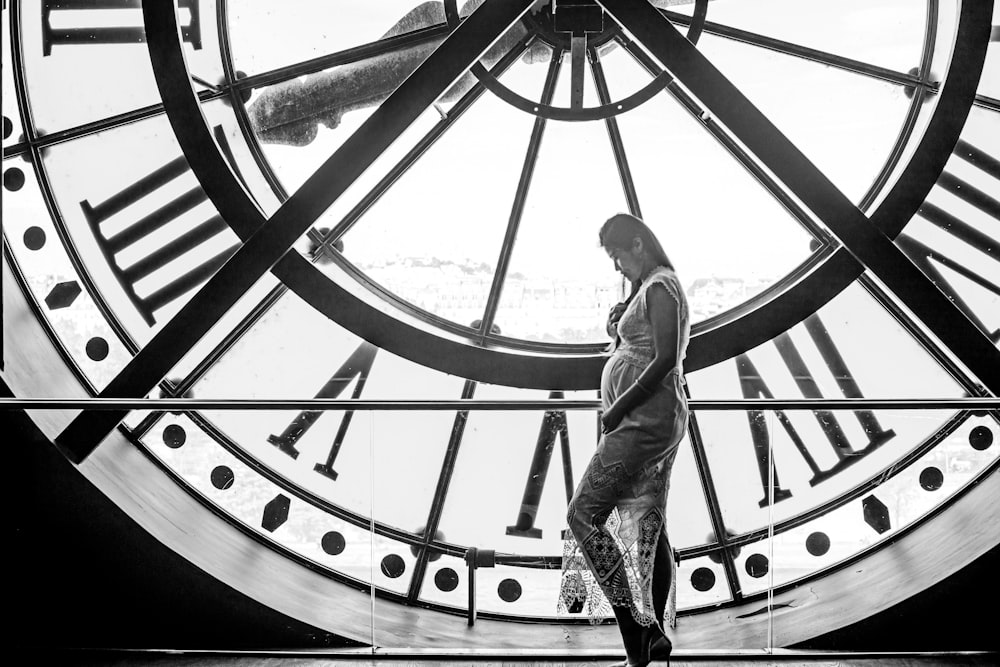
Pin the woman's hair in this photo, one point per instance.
(621, 229)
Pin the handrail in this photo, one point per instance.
(325, 404)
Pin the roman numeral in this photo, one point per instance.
(752, 385)
(928, 258)
(74, 10)
(120, 247)
(357, 365)
(553, 425)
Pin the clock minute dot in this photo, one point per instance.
(703, 579)
(13, 179)
(931, 479)
(97, 349)
(222, 477)
(174, 436)
(446, 579)
(393, 566)
(818, 543)
(757, 565)
(981, 438)
(34, 238)
(333, 543)
(509, 590)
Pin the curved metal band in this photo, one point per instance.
(551, 112)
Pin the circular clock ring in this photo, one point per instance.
(494, 359)
(545, 30)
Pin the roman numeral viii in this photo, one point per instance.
(754, 386)
(86, 22)
(178, 258)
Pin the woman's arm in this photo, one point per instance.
(662, 309)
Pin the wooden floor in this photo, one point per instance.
(364, 657)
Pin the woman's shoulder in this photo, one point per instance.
(663, 275)
(667, 277)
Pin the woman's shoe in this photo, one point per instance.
(660, 649)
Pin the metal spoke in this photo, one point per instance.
(797, 50)
(614, 133)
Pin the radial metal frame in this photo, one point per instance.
(33, 145)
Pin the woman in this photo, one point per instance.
(619, 553)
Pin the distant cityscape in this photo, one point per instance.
(537, 308)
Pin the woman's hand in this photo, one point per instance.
(614, 315)
(611, 418)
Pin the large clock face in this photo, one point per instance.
(398, 201)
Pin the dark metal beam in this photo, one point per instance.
(864, 241)
(266, 241)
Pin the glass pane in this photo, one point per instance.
(989, 82)
(688, 521)
(12, 129)
(139, 219)
(61, 294)
(272, 35)
(560, 283)
(819, 455)
(889, 34)
(677, 166)
(845, 123)
(494, 475)
(435, 237)
(517, 591)
(701, 583)
(273, 514)
(446, 582)
(827, 350)
(98, 58)
(295, 352)
(392, 564)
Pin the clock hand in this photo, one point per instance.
(266, 241)
(864, 240)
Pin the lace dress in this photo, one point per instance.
(619, 509)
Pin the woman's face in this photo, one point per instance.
(628, 262)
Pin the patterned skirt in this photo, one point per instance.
(619, 509)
